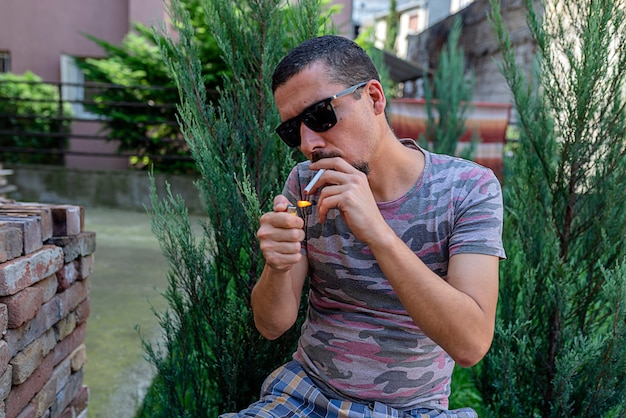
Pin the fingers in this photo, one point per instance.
(341, 187)
(280, 235)
(281, 203)
(328, 171)
(347, 189)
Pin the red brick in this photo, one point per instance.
(23, 306)
(68, 413)
(30, 411)
(26, 362)
(67, 220)
(6, 384)
(78, 358)
(70, 343)
(66, 326)
(31, 230)
(11, 243)
(85, 265)
(80, 401)
(4, 318)
(20, 395)
(67, 275)
(74, 296)
(76, 245)
(5, 356)
(48, 287)
(25, 271)
(67, 393)
(30, 358)
(48, 341)
(50, 313)
(82, 311)
(48, 395)
(40, 210)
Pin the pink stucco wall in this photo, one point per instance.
(343, 19)
(37, 32)
(148, 12)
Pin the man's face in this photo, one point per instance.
(350, 135)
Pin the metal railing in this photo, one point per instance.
(40, 128)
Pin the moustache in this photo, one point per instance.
(362, 166)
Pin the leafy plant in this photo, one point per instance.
(34, 127)
(137, 98)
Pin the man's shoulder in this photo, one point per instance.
(457, 168)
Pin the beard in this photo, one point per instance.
(362, 166)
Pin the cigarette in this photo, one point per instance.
(314, 180)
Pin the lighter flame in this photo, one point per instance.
(303, 203)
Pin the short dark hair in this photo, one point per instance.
(346, 61)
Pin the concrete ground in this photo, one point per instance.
(128, 274)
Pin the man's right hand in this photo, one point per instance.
(280, 235)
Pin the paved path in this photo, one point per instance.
(129, 267)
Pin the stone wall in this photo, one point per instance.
(45, 261)
(117, 189)
(482, 52)
(5, 187)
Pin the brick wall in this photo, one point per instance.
(45, 261)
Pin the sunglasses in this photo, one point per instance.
(319, 117)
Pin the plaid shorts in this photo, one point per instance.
(288, 392)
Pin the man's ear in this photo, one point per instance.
(377, 95)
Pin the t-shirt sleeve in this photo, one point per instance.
(478, 218)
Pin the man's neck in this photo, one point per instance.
(395, 170)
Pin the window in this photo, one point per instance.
(457, 5)
(5, 61)
(413, 23)
(73, 89)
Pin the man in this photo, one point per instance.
(401, 247)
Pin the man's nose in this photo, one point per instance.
(310, 140)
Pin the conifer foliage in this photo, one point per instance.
(561, 331)
(212, 359)
(448, 99)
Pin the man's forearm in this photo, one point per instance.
(461, 319)
(275, 301)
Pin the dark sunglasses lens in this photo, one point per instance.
(320, 117)
(289, 132)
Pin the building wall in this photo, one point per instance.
(38, 32)
(117, 189)
(148, 12)
(480, 46)
(437, 11)
(417, 13)
(343, 20)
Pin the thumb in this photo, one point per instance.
(281, 203)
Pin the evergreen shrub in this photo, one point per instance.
(561, 327)
(212, 359)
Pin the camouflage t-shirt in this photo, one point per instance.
(358, 342)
